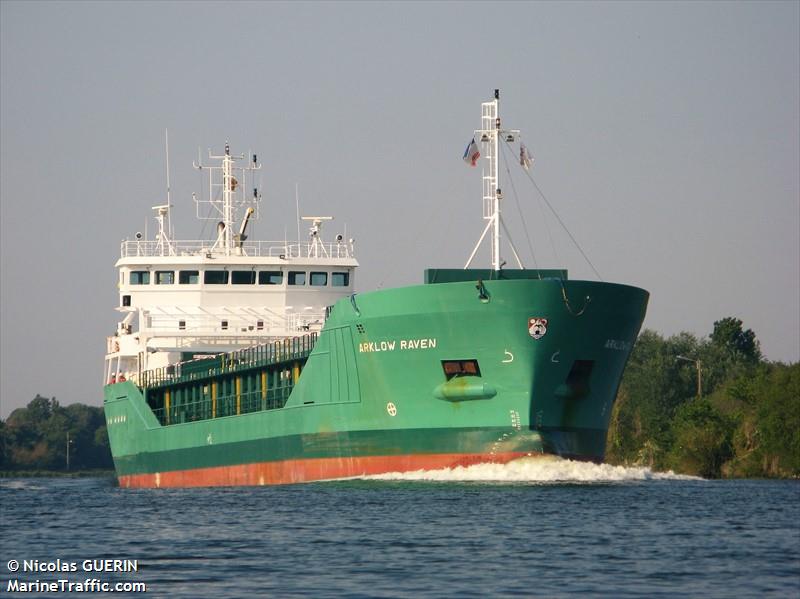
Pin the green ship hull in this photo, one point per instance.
(464, 369)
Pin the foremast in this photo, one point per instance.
(490, 135)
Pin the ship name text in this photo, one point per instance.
(395, 344)
(618, 345)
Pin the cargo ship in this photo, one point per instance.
(240, 362)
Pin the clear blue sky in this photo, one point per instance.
(665, 134)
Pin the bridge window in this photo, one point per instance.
(243, 277)
(340, 279)
(140, 277)
(319, 279)
(189, 277)
(165, 277)
(270, 277)
(215, 277)
(297, 277)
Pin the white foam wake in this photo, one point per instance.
(19, 485)
(546, 469)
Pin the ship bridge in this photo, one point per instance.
(182, 299)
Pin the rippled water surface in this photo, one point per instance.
(530, 529)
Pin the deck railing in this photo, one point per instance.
(274, 249)
(286, 350)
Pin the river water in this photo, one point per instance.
(541, 528)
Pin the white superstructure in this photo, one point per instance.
(181, 299)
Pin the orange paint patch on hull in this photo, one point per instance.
(298, 471)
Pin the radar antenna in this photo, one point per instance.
(164, 245)
(317, 248)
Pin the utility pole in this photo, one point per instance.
(68, 445)
(699, 367)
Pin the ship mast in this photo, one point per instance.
(228, 187)
(228, 242)
(490, 135)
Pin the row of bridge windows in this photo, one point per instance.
(240, 277)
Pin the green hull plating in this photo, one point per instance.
(459, 367)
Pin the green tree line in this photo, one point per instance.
(739, 418)
(36, 437)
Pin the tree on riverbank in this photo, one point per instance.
(744, 422)
(35, 437)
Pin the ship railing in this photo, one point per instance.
(232, 323)
(275, 249)
(225, 405)
(190, 343)
(266, 354)
(214, 323)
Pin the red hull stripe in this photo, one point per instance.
(296, 471)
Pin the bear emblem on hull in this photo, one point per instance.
(537, 327)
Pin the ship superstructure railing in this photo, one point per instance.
(272, 249)
(198, 320)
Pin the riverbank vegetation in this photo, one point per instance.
(36, 438)
(711, 407)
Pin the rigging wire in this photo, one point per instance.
(545, 221)
(205, 220)
(561, 222)
(587, 299)
(519, 210)
(209, 217)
